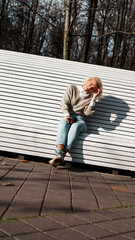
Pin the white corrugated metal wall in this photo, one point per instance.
(31, 90)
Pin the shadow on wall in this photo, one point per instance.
(110, 111)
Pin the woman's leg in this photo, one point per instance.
(62, 133)
(61, 140)
(76, 128)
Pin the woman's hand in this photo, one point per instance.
(69, 119)
(96, 93)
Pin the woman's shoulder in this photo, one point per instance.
(72, 87)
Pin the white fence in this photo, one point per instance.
(31, 88)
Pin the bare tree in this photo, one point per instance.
(28, 40)
(67, 30)
(101, 19)
(118, 36)
(70, 16)
(89, 29)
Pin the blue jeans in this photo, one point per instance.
(68, 133)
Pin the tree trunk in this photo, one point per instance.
(28, 43)
(118, 36)
(102, 43)
(89, 28)
(66, 53)
(126, 41)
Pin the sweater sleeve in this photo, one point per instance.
(89, 110)
(66, 100)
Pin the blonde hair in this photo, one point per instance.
(99, 84)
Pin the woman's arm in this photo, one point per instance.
(66, 104)
(90, 109)
(66, 101)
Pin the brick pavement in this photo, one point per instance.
(40, 202)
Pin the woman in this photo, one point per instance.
(77, 104)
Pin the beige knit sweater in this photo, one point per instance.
(72, 103)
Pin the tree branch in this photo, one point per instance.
(110, 33)
(74, 17)
(46, 20)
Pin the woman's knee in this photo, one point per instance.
(81, 127)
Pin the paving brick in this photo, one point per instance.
(83, 203)
(116, 226)
(82, 193)
(115, 214)
(22, 208)
(94, 231)
(128, 222)
(130, 235)
(43, 223)
(15, 227)
(83, 199)
(108, 214)
(58, 197)
(66, 234)
(127, 199)
(103, 191)
(91, 217)
(7, 238)
(57, 201)
(56, 206)
(118, 213)
(67, 220)
(116, 237)
(34, 236)
(125, 212)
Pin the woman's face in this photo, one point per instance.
(90, 86)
